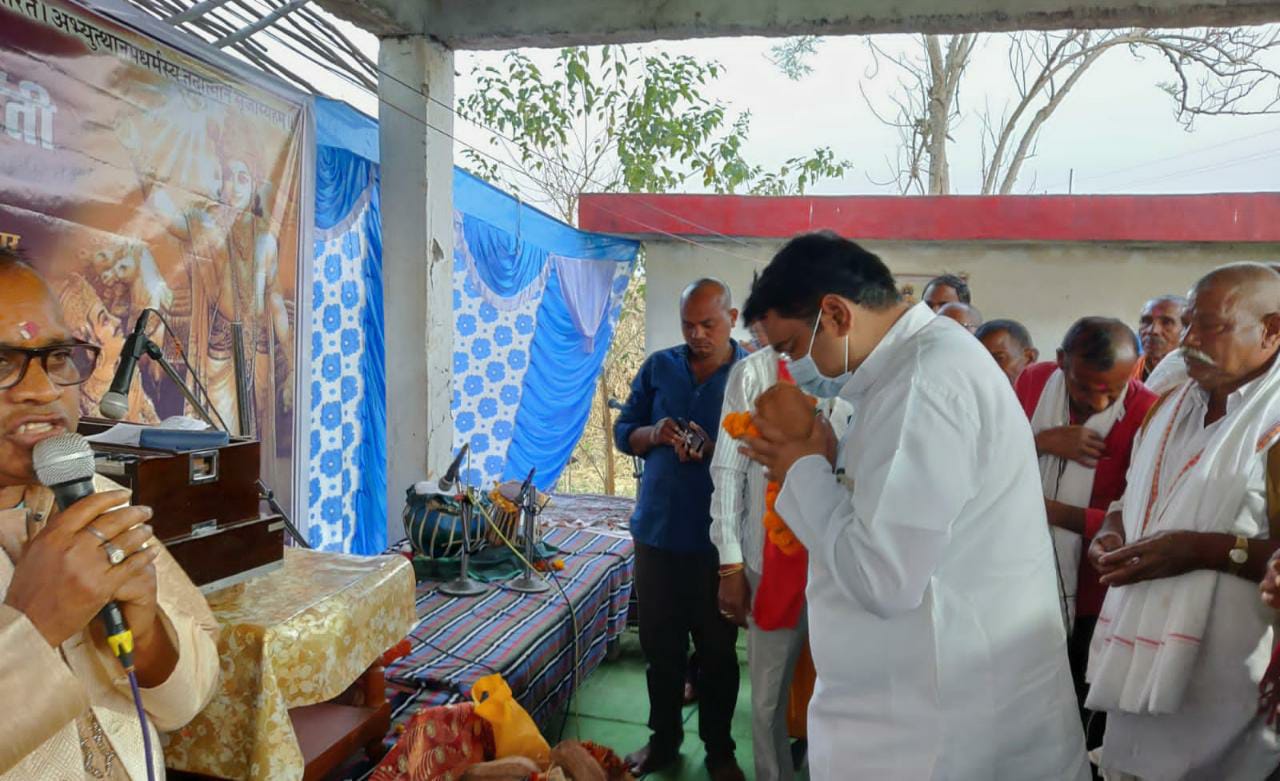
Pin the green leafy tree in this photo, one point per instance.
(612, 119)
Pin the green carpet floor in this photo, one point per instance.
(613, 706)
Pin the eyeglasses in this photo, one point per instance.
(64, 364)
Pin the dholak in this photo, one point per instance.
(504, 515)
(433, 524)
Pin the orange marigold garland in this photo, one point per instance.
(779, 596)
(739, 425)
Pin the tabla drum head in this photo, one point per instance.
(433, 524)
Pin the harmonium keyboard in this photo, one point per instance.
(206, 505)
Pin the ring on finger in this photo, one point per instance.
(101, 537)
(114, 554)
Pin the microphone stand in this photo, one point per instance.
(529, 582)
(243, 410)
(269, 496)
(463, 585)
(157, 355)
(264, 491)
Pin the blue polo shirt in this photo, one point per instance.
(673, 511)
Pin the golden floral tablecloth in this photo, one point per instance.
(296, 636)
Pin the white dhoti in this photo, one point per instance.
(1176, 661)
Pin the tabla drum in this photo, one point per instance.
(504, 514)
(433, 524)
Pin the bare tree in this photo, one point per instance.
(927, 107)
(1214, 72)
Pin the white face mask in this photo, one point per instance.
(810, 379)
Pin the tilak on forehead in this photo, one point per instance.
(28, 330)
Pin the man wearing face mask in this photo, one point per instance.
(933, 608)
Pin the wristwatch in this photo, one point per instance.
(1239, 555)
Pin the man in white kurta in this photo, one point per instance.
(933, 607)
(1182, 641)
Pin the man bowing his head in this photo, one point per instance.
(933, 609)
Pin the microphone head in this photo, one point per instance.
(66, 458)
(114, 405)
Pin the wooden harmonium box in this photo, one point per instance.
(206, 505)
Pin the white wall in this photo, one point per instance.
(1045, 286)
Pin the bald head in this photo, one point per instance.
(11, 259)
(1256, 284)
(13, 266)
(966, 315)
(1233, 326)
(708, 286)
(30, 318)
(707, 317)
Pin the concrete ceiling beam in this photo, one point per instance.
(502, 24)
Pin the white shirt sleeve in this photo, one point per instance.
(916, 470)
(729, 474)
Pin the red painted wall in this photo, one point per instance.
(1230, 217)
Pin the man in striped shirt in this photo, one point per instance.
(737, 530)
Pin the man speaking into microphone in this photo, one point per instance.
(65, 706)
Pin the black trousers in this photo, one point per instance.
(677, 598)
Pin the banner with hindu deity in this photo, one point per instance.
(138, 175)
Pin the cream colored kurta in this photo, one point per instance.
(43, 691)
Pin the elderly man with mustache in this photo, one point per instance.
(1182, 640)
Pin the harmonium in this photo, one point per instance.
(206, 505)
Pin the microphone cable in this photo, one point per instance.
(142, 721)
(574, 683)
(120, 641)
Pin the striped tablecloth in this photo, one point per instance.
(526, 637)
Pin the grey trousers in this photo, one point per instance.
(771, 662)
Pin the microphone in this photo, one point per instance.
(528, 483)
(450, 478)
(65, 464)
(115, 402)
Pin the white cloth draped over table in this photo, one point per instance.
(1067, 481)
(933, 610)
(1176, 661)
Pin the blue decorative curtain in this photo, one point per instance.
(347, 496)
(536, 302)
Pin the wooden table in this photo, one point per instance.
(301, 686)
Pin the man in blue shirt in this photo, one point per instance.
(671, 420)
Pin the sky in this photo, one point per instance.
(1115, 133)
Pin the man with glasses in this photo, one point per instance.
(65, 710)
(933, 611)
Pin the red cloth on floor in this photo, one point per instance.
(438, 744)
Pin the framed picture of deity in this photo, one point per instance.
(140, 171)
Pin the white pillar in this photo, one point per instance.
(415, 133)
